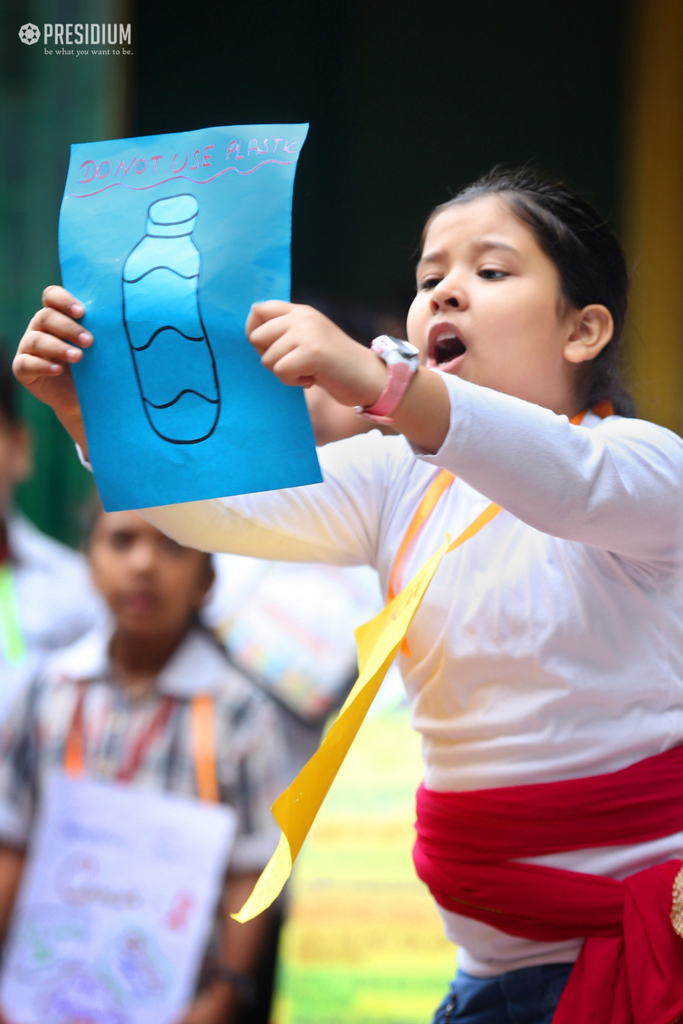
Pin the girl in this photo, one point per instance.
(545, 668)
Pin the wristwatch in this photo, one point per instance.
(402, 360)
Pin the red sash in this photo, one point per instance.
(630, 970)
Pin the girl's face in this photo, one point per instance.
(489, 308)
(152, 585)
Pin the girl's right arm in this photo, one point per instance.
(53, 341)
(338, 522)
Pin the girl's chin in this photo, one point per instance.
(452, 366)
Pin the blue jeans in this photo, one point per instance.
(529, 996)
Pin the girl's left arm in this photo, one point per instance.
(617, 486)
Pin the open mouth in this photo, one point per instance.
(445, 349)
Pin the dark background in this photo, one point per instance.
(406, 101)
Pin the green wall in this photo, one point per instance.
(46, 103)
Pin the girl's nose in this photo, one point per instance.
(143, 558)
(447, 294)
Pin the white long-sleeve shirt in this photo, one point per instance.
(550, 645)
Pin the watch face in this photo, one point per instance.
(385, 343)
(405, 348)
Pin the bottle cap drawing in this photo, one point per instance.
(172, 217)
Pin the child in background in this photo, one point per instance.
(546, 667)
(141, 672)
(47, 600)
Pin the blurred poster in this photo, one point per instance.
(290, 626)
(115, 907)
(168, 240)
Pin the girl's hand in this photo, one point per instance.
(52, 342)
(302, 347)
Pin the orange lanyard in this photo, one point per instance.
(441, 483)
(203, 743)
(204, 748)
(439, 486)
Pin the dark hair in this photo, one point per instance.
(588, 257)
(9, 405)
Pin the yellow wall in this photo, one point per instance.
(653, 208)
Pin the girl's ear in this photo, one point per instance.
(592, 329)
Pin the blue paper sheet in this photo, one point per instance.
(168, 240)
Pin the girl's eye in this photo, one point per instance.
(170, 547)
(121, 540)
(493, 275)
(429, 282)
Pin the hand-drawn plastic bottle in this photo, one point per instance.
(172, 355)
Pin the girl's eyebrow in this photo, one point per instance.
(490, 243)
(482, 245)
(431, 257)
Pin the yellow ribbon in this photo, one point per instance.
(378, 641)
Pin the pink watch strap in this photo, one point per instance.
(399, 376)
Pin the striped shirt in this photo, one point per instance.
(251, 762)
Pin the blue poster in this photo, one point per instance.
(168, 240)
